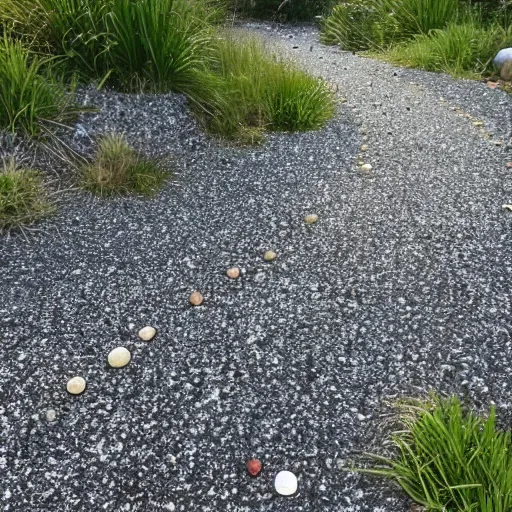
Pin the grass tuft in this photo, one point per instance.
(248, 88)
(462, 49)
(23, 197)
(30, 90)
(449, 459)
(118, 169)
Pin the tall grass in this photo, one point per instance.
(247, 86)
(30, 89)
(364, 24)
(449, 459)
(462, 49)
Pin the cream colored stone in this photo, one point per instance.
(196, 299)
(76, 385)
(147, 333)
(364, 147)
(478, 123)
(233, 273)
(270, 256)
(286, 483)
(366, 167)
(119, 357)
(311, 218)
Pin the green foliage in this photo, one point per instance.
(246, 86)
(462, 49)
(23, 197)
(365, 24)
(449, 459)
(118, 169)
(289, 10)
(30, 89)
(136, 45)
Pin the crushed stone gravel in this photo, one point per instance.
(403, 286)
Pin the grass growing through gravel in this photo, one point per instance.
(158, 46)
(450, 36)
(30, 89)
(247, 89)
(449, 459)
(23, 196)
(461, 49)
(118, 169)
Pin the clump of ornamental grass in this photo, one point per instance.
(447, 458)
(247, 89)
(463, 49)
(31, 91)
(24, 198)
(118, 169)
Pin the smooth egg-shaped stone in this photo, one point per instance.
(233, 273)
(270, 256)
(311, 219)
(286, 483)
(119, 357)
(196, 299)
(147, 333)
(366, 167)
(76, 385)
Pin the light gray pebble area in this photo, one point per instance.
(403, 284)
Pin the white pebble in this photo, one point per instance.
(366, 167)
(147, 333)
(119, 357)
(286, 483)
(76, 385)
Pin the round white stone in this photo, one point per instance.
(503, 56)
(119, 357)
(76, 385)
(286, 483)
(147, 333)
(366, 167)
(311, 219)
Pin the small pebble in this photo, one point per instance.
(286, 483)
(233, 273)
(147, 333)
(51, 415)
(270, 256)
(507, 207)
(311, 219)
(254, 467)
(366, 167)
(364, 147)
(509, 165)
(498, 142)
(119, 357)
(478, 123)
(76, 385)
(196, 299)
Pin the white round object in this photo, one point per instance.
(119, 357)
(76, 385)
(286, 483)
(366, 167)
(503, 56)
(147, 333)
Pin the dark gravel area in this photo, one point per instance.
(403, 285)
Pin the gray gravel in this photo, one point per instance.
(401, 286)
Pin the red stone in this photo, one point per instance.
(254, 467)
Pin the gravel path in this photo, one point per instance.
(402, 285)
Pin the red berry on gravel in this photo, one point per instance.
(254, 467)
